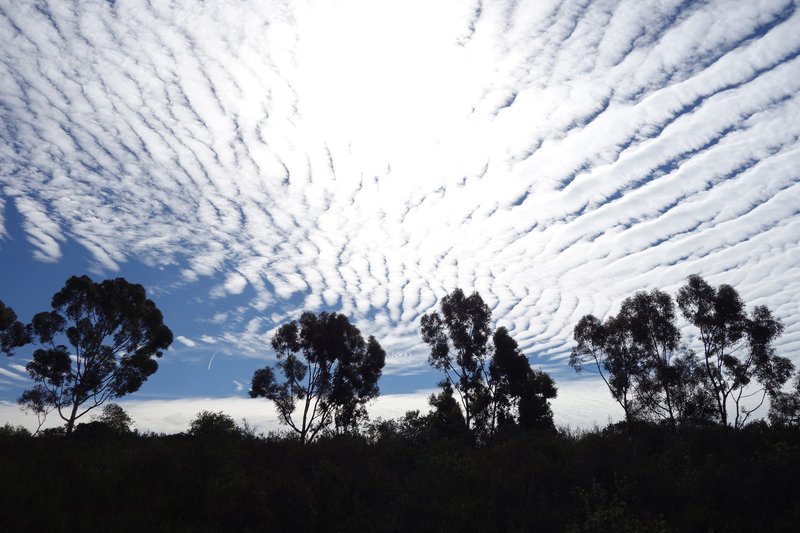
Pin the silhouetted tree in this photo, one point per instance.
(12, 331)
(738, 354)
(784, 409)
(328, 369)
(113, 331)
(207, 424)
(650, 318)
(670, 385)
(639, 355)
(508, 392)
(534, 402)
(446, 418)
(459, 340)
(517, 393)
(115, 417)
(608, 349)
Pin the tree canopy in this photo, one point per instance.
(737, 348)
(210, 424)
(501, 391)
(113, 334)
(329, 371)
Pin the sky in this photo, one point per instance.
(247, 161)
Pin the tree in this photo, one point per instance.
(517, 393)
(784, 409)
(446, 419)
(639, 355)
(459, 340)
(534, 402)
(501, 391)
(114, 333)
(662, 375)
(737, 349)
(116, 418)
(607, 348)
(328, 370)
(207, 424)
(12, 331)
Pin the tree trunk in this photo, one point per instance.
(71, 421)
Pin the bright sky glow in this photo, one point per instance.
(249, 160)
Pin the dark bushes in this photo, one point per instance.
(643, 478)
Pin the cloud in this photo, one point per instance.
(175, 415)
(186, 342)
(13, 375)
(554, 156)
(235, 283)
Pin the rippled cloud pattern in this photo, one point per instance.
(369, 157)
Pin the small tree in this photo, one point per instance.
(446, 419)
(116, 418)
(738, 354)
(207, 423)
(329, 372)
(784, 409)
(534, 402)
(12, 332)
(113, 331)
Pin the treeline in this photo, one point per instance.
(101, 341)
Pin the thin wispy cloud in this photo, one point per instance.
(369, 158)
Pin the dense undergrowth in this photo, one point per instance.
(643, 478)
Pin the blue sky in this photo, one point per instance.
(247, 161)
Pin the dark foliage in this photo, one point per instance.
(629, 477)
(493, 394)
(784, 409)
(115, 417)
(738, 357)
(12, 331)
(459, 341)
(114, 333)
(653, 376)
(329, 372)
(209, 424)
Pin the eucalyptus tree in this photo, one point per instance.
(650, 318)
(113, 334)
(517, 393)
(329, 373)
(459, 341)
(639, 355)
(607, 349)
(493, 380)
(737, 349)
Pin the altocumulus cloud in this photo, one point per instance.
(370, 157)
